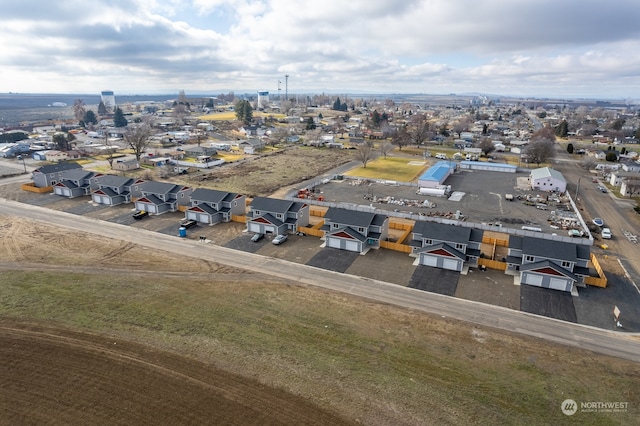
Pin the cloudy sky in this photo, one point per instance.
(567, 48)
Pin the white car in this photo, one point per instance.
(606, 233)
(279, 239)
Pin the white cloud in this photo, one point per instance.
(524, 47)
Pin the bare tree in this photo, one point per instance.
(540, 150)
(462, 125)
(278, 135)
(364, 153)
(418, 129)
(110, 150)
(487, 146)
(79, 110)
(400, 138)
(137, 137)
(385, 148)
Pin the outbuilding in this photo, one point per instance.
(489, 167)
(547, 179)
(436, 174)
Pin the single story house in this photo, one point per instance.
(445, 246)
(126, 165)
(51, 174)
(251, 146)
(630, 186)
(162, 197)
(198, 151)
(56, 156)
(547, 179)
(213, 206)
(436, 174)
(271, 215)
(354, 230)
(548, 263)
(113, 190)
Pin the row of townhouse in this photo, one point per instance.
(533, 261)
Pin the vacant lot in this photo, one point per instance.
(265, 174)
(366, 362)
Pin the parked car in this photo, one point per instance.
(602, 188)
(257, 237)
(140, 214)
(188, 223)
(606, 233)
(598, 221)
(279, 239)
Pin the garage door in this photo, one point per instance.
(353, 246)
(254, 227)
(533, 280)
(559, 284)
(429, 261)
(63, 191)
(105, 200)
(450, 264)
(333, 242)
(192, 215)
(203, 218)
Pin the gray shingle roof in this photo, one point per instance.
(443, 232)
(209, 195)
(353, 218)
(275, 205)
(549, 249)
(58, 167)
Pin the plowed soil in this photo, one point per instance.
(57, 376)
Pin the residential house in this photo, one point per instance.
(126, 165)
(547, 179)
(251, 146)
(51, 174)
(445, 246)
(271, 215)
(213, 206)
(200, 151)
(162, 197)
(57, 156)
(548, 263)
(74, 183)
(113, 190)
(630, 186)
(354, 230)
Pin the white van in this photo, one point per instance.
(441, 156)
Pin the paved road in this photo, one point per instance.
(626, 346)
(618, 214)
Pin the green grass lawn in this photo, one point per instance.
(390, 168)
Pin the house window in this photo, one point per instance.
(459, 246)
(256, 212)
(235, 203)
(335, 225)
(279, 215)
(182, 195)
(565, 264)
(361, 230)
(529, 258)
(428, 241)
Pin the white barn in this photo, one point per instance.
(547, 179)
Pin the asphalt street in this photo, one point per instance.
(622, 345)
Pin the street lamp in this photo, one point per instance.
(20, 157)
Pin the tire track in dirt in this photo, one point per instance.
(129, 375)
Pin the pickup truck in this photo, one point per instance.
(140, 214)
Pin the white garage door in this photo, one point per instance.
(192, 215)
(105, 200)
(533, 280)
(203, 218)
(254, 227)
(63, 191)
(353, 246)
(333, 242)
(429, 261)
(450, 264)
(558, 284)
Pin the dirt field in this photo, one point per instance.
(220, 345)
(270, 172)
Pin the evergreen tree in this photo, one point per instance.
(244, 111)
(90, 117)
(119, 119)
(570, 148)
(562, 129)
(102, 109)
(311, 125)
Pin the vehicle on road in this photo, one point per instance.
(598, 221)
(140, 214)
(606, 233)
(279, 239)
(602, 188)
(257, 237)
(188, 223)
